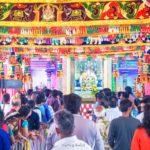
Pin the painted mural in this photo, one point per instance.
(74, 11)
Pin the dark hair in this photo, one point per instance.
(113, 94)
(65, 121)
(113, 102)
(31, 104)
(54, 93)
(146, 99)
(113, 98)
(40, 98)
(24, 100)
(72, 103)
(24, 111)
(60, 94)
(105, 102)
(128, 89)
(6, 98)
(125, 105)
(1, 117)
(47, 92)
(146, 119)
(125, 95)
(120, 93)
(137, 102)
(29, 92)
(107, 91)
(61, 97)
(100, 95)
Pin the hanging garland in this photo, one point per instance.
(108, 40)
(73, 31)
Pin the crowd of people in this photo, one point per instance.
(119, 121)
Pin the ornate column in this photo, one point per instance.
(108, 73)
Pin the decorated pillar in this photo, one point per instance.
(2, 75)
(60, 73)
(48, 72)
(11, 66)
(139, 81)
(51, 73)
(146, 71)
(115, 74)
(27, 78)
(107, 73)
(14, 71)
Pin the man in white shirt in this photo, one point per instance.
(84, 129)
(146, 100)
(112, 112)
(64, 125)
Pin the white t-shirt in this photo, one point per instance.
(140, 117)
(112, 113)
(7, 108)
(71, 143)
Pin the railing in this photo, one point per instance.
(36, 144)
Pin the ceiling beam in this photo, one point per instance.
(74, 23)
(60, 1)
(75, 46)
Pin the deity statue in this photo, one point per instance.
(88, 80)
(48, 13)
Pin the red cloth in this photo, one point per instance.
(5, 127)
(141, 140)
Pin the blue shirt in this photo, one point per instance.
(4, 140)
(42, 109)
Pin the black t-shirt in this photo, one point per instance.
(33, 120)
(121, 132)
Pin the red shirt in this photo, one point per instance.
(141, 140)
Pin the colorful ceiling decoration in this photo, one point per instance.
(74, 27)
(87, 40)
(26, 12)
(74, 50)
(73, 31)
